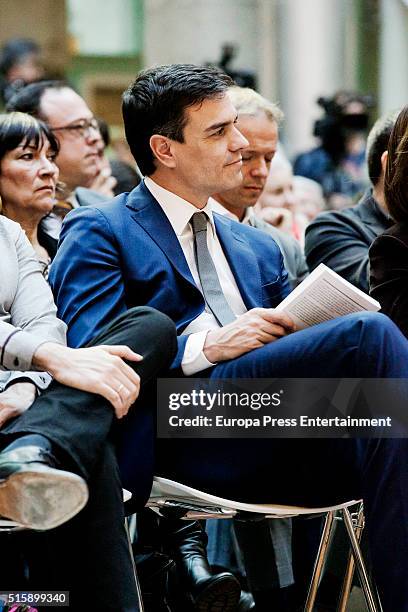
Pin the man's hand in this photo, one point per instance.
(249, 331)
(282, 218)
(15, 400)
(98, 369)
(104, 183)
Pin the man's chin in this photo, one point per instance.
(246, 198)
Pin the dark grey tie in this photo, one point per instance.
(210, 283)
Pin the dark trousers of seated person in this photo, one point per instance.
(91, 558)
(316, 472)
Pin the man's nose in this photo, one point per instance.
(92, 134)
(238, 140)
(260, 169)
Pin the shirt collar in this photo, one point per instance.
(177, 210)
(220, 209)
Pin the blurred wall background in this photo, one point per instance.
(296, 50)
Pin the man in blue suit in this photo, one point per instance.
(219, 281)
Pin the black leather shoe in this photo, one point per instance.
(218, 593)
(33, 493)
(206, 591)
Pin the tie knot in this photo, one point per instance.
(199, 222)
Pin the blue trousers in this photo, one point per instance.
(316, 472)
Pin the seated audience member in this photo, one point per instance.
(67, 428)
(20, 63)
(258, 121)
(389, 252)
(105, 182)
(84, 177)
(277, 204)
(309, 197)
(220, 282)
(87, 182)
(123, 176)
(341, 239)
(126, 176)
(28, 179)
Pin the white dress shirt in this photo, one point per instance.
(220, 209)
(179, 213)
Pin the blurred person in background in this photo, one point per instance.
(106, 182)
(20, 63)
(122, 175)
(125, 175)
(389, 252)
(341, 238)
(278, 204)
(309, 197)
(28, 179)
(338, 162)
(77, 131)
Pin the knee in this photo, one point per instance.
(374, 322)
(159, 325)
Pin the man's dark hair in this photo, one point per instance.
(28, 99)
(396, 172)
(156, 102)
(377, 143)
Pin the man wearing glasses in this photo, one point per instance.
(79, 160)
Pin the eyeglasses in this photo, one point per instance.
(82, 128)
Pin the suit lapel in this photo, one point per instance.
(148, 213)
(242, 261)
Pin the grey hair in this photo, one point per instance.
(249, 102)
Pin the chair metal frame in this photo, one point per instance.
(170, 498)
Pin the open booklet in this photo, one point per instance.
(322, 296)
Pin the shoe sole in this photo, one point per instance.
(220, 596)
(42, 500)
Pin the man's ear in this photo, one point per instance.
(384, 158)
(162, 150)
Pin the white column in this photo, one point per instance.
(268, 48)
(393, 55)
(311, 63)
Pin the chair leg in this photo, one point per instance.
(372, 606)
(320, 561)
(358, 525)
(137, 583)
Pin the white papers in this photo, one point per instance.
(322, 296)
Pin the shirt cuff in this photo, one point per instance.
(40, 379)
(19, 349)
(194, 359)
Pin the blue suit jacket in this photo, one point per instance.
(124, 253)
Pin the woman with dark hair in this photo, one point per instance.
(28, 178)
(389, 252)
